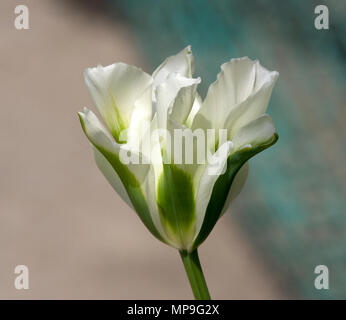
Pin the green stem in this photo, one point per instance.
(195, 274)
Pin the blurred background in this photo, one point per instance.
(59, 216)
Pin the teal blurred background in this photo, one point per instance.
(293, 209)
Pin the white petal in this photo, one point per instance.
(115, 89)
(182, 63)
(140, 121)
(210, 175)
(254, 106)
(255, 133)
(154, 150)
(233, 85)
(195, 108)
(237, 185)
(240, 94)
(96, 132)
(236, 80)
(104, 142)
(187, 149)
(184, 101)
(263, 76)
(175, 98)
(101, 139)
(111, 176)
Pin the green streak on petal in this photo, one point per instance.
(117, 125)
(176, 202)
(223, 184)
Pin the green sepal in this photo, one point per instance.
(222, 187)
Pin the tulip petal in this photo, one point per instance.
(132, 176)
(115, 89)
(96, 132)
(150, 193)
(195, 108)
(182, 63)
(176, 203)
(223, 184)
(255, 133)
(233, 85)
(140, 121)
(184, 101)
(208, 178)
(240, 94)
(111, 176)
(175, 98)
(251, 108)
(104, 142)
(237, 185)
(186, 148)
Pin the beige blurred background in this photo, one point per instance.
(58, 215)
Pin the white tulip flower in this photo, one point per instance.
(179, 201)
